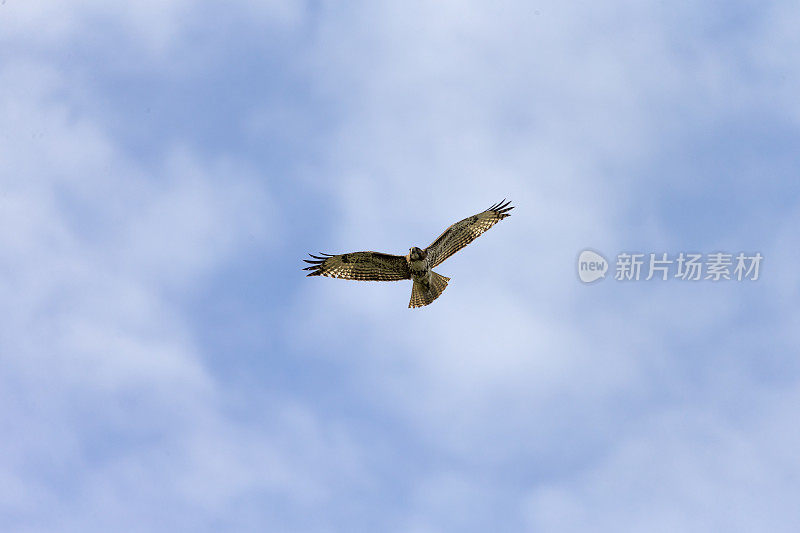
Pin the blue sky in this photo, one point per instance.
(165, 165)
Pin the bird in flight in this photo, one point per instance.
(418, 265)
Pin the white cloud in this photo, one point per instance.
(109, 407)
(563, 109)
(53, 23)
(550, 387)
(686, 469)
(152, 26)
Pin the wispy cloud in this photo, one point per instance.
(110, 410)
(167, 367)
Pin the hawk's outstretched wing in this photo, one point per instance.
(363, 266)
(464, 232)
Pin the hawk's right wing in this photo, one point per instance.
(464, 232)
(363, 266)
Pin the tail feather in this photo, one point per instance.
(422, 295)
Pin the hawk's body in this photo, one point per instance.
(417, 265)
(428, 285)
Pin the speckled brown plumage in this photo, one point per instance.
(465, 231)
(417, 265)
(361, 266)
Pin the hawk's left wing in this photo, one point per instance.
(464, 232)
(362, 266)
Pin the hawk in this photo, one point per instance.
(418, 265)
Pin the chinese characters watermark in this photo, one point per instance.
(685, 266)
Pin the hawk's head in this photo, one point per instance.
(415, 254)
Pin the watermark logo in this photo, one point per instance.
(685, 266)
(591, 266)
